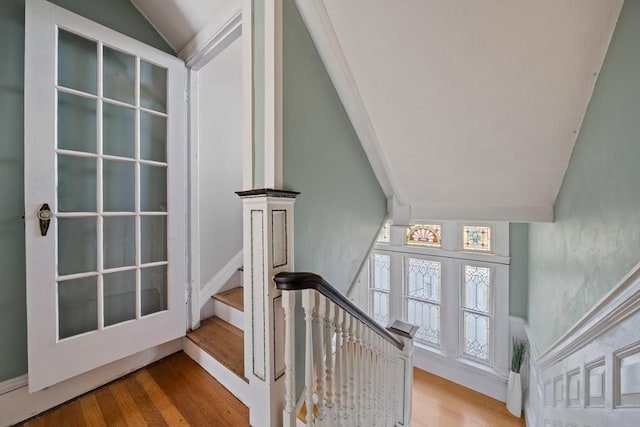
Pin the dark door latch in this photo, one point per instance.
(44, 216)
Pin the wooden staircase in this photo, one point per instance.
(218, 344)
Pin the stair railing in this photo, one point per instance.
(356, 373)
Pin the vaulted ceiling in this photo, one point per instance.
(466, 109)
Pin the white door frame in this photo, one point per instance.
(233, 22)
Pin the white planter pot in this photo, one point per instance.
(514, 394)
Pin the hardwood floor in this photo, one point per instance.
(441, 403)
(177, 392)
(223, 341)
(173, 392)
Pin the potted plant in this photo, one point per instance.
(514, 386)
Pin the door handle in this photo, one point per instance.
(44, 217)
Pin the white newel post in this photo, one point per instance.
(268, 250)
(405, 332)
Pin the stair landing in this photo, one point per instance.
(223, 341)
(233, 297)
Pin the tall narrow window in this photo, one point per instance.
(476, 312)
(379, 289)
(423, 298)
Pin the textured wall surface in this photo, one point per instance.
(595, 239)
(518, 269)
(121, 16)
(220, 159)
(341, 205)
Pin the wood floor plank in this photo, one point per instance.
(126, 404)
(109, 407)
(204, 401)
(169, 412)
(173, 392)
(149, 411)
(91, 411)
(438, 402)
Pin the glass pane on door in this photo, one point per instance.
(77, 307)
(105, 180)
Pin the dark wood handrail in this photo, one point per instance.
(288, 281)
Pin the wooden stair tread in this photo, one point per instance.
(223, 341)
(233, 297)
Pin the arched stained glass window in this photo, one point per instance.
(424, 235)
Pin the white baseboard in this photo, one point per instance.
(487, 383)
(19, 405)
(221, 373)
(229, 314)
(216, 283)
(13, 384)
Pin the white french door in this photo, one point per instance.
(105, 154)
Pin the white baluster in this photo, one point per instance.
(320, 355)
(329, 328)
(344, 363)
(370, 379)
(352, 368)
(337, 383)
(357, 363)
(308, 303)
(288, 304)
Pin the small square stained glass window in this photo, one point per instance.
(385, 234)
(424, 235)
(476, 238)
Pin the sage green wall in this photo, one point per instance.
(118, 14)
(595, 239)
(518, 269)
(341, 205)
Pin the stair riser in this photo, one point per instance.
(229, 314)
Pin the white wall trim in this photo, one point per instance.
(214, 285)
(19, 404)
(13, 384)
(273, 94)
(618, 304)
(316, 18)
(224, 21)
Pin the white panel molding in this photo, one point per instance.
(607, 332)
(19, 404)
(316, 18)
(618, 304)
(216, 283)
(13, 384)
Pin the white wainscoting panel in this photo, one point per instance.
(591, 376)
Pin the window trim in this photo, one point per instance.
(452, 257)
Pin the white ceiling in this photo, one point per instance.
(178, 21)
(467, 109)
(475, 105)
